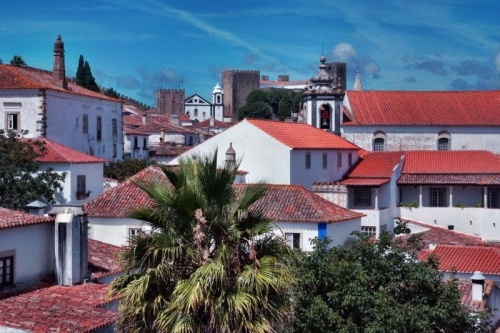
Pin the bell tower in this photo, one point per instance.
(217, 103)
(322, 101)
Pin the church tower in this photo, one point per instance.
(322, 101)
(217, 103)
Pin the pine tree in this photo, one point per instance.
(89, 78)
(80, 72)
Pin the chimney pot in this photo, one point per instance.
(477, 286)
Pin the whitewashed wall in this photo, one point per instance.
(93, 173)
(306, 177)
(34, 255)
(128, 146)
(307, 232)
(112, 230)
(262, 156)
(30, 100)
(340, 232)
(425, 137)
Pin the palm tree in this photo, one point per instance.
(18, 61)
(211, 264)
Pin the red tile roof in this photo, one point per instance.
(103, 259)
(450, 167)
(120, 200)
(12, 218)
(465, 288)
(12, 77)
(374, 169)
(57, 153)
(293, 203)
(156, 126)
(134, 120)
(440, 235)
(133, 131)
(220, 124)
(301, 136)
(58, 308)
(422, 108)
(168, 150)
(365, 181)
(467, 258)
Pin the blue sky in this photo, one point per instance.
(136, 46)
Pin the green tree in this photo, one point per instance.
(111, 93)
(296, 99)
(255, 110)
(122, 170)
(18, 61)
(258, 95)
(285, 108)
(21, 181)
(378, 286)
(84, 77)
(274, 98)
(211, 265)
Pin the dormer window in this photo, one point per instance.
(444, 140)
(379, 141)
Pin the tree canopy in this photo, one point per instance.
(84, 75)
(255, 110)
(18, 61)
(21, 181)
(377, 286)
(122, 170)
(210, 265)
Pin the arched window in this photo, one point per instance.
(379, 141)
(218, 99)
(325, 113)
(444, 140)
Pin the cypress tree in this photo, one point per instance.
(80, 72)
(89, 78)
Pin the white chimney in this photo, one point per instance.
(174, 119)
(144, 118)
(71, 247)
(477, 286)
(212, 121)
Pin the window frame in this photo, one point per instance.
(376, 144)
(16, 121)
(295, 241)
(339, 160)
(362, 197)
(308, 161)
(325, 160)
(349, 159)
(4, 281)
(369, 230)
(99, 128)
(436, 201)
(85, 124)
(81, 187)
(114, 127)
(444, 135)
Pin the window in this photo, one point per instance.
(218, 99)
(115, 127)
(444, 139)
(115, 150)
(81, 187)
(339, 160)
(371, 231)
(133, 232)
(136, 143)
(13, 121)
(325, 160)
(308, 160)
(85, 124)
(362, 197)
(349, 159)
(379, 141)
(99, 128)
(145, 144)
(293, 240)
(6, 271)
(325, 113)
(437, 197)
(493, 198)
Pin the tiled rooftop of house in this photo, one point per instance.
(103, 259)
(301, 136)
(154, 125)
(122, 199)
(133, 131)
(219, 124)
(293, 203)
(433, 234)
(466, 258)
(465, 288)
(58, 309)
(420, 108)
(12, 77)
(54, 152)
(167, 150)
(132, 120)
(12, 218)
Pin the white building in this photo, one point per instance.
(281, 152)
(135, 144)
(422, 120)
(84, 173)
(47, 105)
(197, 108)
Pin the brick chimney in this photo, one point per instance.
(59, 70)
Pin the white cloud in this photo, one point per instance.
(497, 62)
(344, 52)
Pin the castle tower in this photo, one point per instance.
(322, 101)
(236, 85)
(217, 111)
(59, 70)
(170, 101)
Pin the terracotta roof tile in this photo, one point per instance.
(376, 165)
(57, 153)
(103, 259)
(12, 218)
(120, 200)
(467, 258)
(12, 77)
(69, 309)
(301, 136)
(365, 181)
(451, 162)
(421, 108)
(220, 124)
(156, 126)
(133, 120)
(168, 150)
(433, 234)
(293, 203)
(465, 288)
